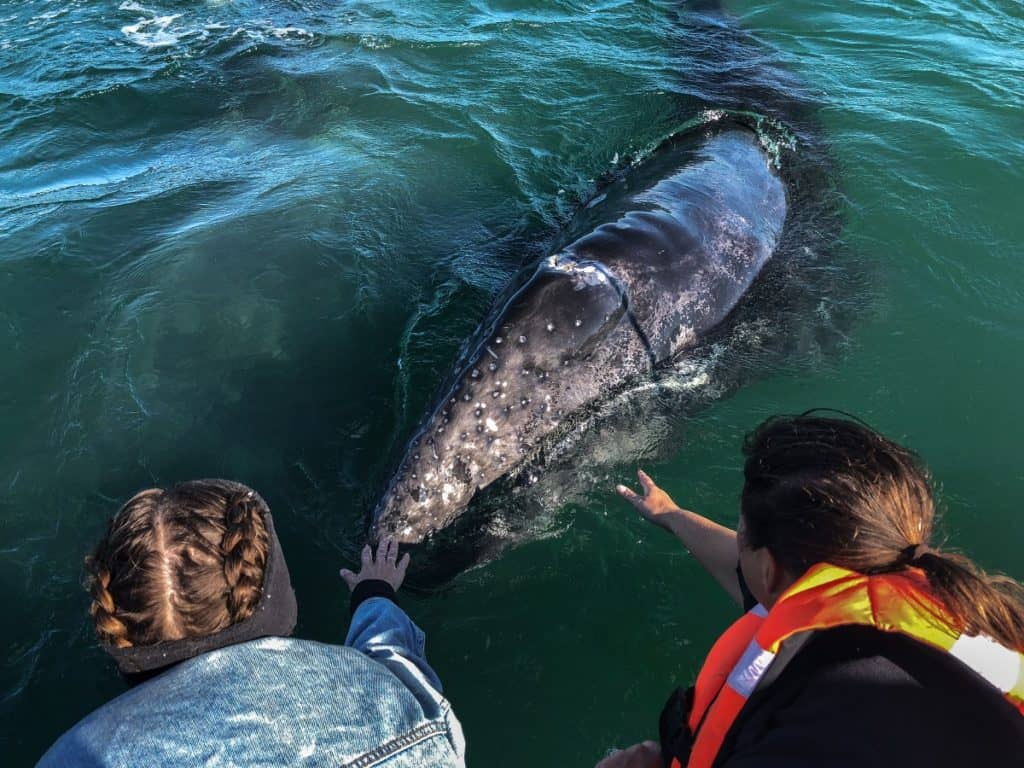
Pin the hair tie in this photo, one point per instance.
(914, 552)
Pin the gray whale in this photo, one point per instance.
(665, 260)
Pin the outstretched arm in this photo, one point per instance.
(383, 631)
(712, 544)
(379, 628)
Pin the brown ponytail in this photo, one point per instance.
(183, 562)
(832, 490)
(987, 604)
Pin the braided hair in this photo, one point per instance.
(176, 563)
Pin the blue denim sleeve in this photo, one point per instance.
(385, 633)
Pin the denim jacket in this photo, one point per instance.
(283, 702)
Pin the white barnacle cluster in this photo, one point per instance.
(467, 440)
(489, 418)
(583, 273)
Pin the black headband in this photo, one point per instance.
(274, 615)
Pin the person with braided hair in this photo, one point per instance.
(863, 645)
(191, 598)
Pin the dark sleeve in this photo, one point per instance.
(369, 588)
(749, 601)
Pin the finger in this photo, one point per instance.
(629, 495)
(367, 556)
(382, 550)
(403, 565)
(348, 576)
(392, 551)
(645, 481)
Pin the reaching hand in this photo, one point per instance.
(646, 754)
(386, 567)
(655, 505)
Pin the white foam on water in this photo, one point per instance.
(154, 29)
(152, 33)
(374, 43)
(285, 33)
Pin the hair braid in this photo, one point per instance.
(103, 610)
(185, 561)
(244, 546)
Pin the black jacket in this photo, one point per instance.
(855, 696)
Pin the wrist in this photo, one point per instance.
(676, 521)
(369, 588)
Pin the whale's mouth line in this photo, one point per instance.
(641, 334)
(623, 294)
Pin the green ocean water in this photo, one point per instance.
(247, 239)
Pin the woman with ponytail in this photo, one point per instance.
(864, 643)
(191, 598)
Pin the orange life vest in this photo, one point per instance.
(825, 597)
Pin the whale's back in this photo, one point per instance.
(691, 240)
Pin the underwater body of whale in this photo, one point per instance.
(672, 248)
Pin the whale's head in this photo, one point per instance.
(550, 348)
